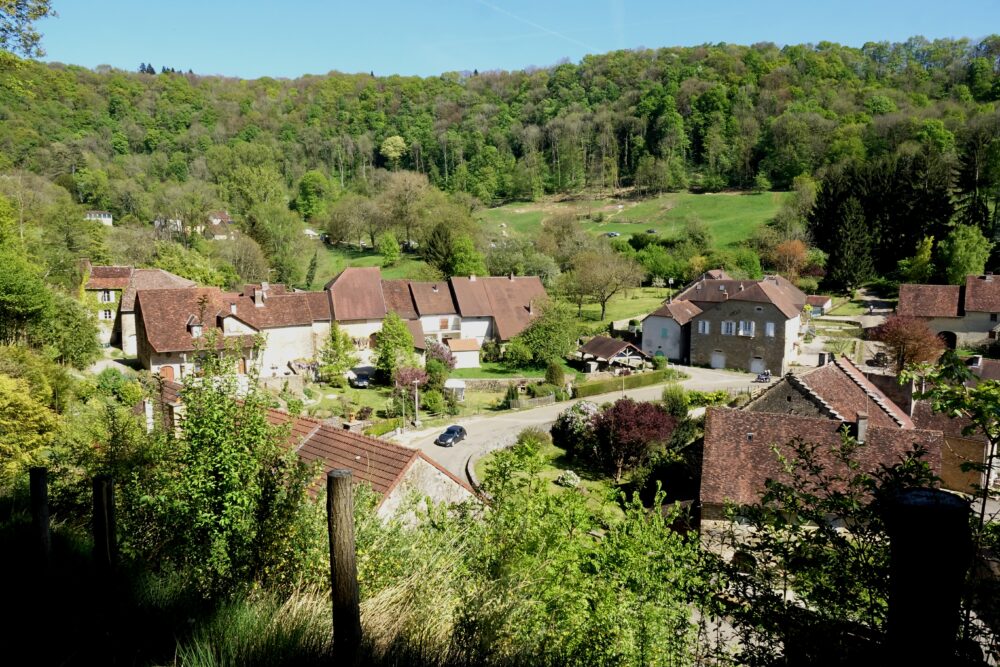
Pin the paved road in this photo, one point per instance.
(491, 431)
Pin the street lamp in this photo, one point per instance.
(671, 297)
(416, 394)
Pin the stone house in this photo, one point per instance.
(747, 325)
(962, 314)
(103, 287)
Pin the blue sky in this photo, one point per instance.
(252, 38)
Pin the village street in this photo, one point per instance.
(489, 432)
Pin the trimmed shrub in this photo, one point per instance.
(554, 374)
(659, 362)
(432, 401)
(630, 382)
(675, 401)
(542, 389)
(703, 398)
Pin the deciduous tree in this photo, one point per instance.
(625, 433)
(909, 341)
(393, 346)
(964, 252)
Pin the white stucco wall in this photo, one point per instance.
(432, 325)
(974, 327)
(467, 359)
(424, 480)
(654, 340)
(283, 345)
(361, 328)
(128, 334)
(232, 326)
(476, 327)
(792, 328)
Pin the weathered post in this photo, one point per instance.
(343, 570)
(930, 550)
(105, 530)
(39, 488)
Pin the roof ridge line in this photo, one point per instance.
(874, 397)
(797, 381)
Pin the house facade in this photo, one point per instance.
(962, 314)
(103, 217)
(725, 323)
(103, 287)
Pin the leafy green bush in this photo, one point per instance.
(542, 389)
(703, 398)
(675, 400)
(659, 362)
(383, 427)
(432, 401)
(512, 395)
(628, 382)
(554, 374)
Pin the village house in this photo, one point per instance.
(113, 288)
(172, 326)
(394, 472)
(220, 226)
(818, 407)
(751, 325)
(605, 353)
(961, 314)
(103, 217)
(820, 304)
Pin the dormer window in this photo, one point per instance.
(196, 331)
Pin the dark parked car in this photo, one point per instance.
(881, 359)
(650, 231)
(451, 436)
(613, 235)
(359, 381)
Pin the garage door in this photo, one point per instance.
(718, 359)
(757, 365)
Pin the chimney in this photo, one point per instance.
(988, 277)
(512, 276)
(531, 306)
(232, 308)
(472, 278)
(434, 288)
(862, 427)
(822, 359)
(258, 298)
(976, 361)
(263, 285)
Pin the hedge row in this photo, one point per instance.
(631, 382)
(383, 427)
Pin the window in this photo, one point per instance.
(105, 314)
(704, 326)
(443, 323)
(747, 327)
(106, 296)
(729, 328)
(769, 329)
(663, 332)
(993, 317)
(759, 309)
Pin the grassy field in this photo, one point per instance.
(636, 303)
(595, 486)
(730, 217)
(331, 260)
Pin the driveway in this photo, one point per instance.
(488, 432)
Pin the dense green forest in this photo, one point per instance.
(906, 133)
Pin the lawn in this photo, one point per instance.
(328, 402)
(594, 485)
(730, 217)
(331, 260)
(847, 307)
(491, 370)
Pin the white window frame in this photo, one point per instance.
(728, 328)
(747, 328)
(106, 314)
(769, 329)
(704, 327)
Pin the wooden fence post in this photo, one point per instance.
(105, 530)
(39, 488)
(343, 570)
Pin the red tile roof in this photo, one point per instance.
(151, 279)
(417, 331)
(108, 277)
(470, 295)
(357, 294)
(511, 301)
(398, 298)
(841, 391)
(775, 290)
(739, 458)
(929, 301)
(603, 347)
(433, 298)
(818, 300)
(982, 294)
(925, 417)
(681, 312)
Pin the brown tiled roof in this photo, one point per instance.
(417, 331)
(739, 458)
(511, 301)
(842, 387)
(151, 279)
(985, 369)
(681, 312)
(165, 315)
(398, 298)
(470, 295)
(357, 294)
(280, 310)
(925, 417)
(982, 294)
(818, 300)
(717, 274)
(602, 347)
(929, 300)
(320, 309)
(109, 277)
(462, 344)
(775, 290)
(433, 298)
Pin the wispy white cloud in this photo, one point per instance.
(536, 26)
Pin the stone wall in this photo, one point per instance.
(427, 481)
(740, 350)
(783, 398)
